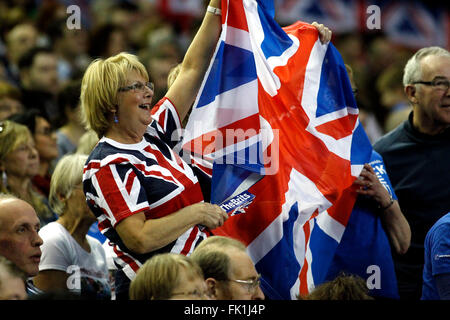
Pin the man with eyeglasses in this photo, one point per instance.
(416, 156)
(228, 270)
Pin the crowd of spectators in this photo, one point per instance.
(42, 63)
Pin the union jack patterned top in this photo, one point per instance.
(120, 180)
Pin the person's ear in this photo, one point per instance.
(411, 93)
(212, 287)
(61, 197)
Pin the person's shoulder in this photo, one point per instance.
(442, 225)
(165, 112)
(439, 233)
(52, 230)
(104, 152)
(390, 138)
(54, 235)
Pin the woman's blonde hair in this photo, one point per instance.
(100, 86)
(12, 135)
(160, 275)
(67, 175)
(87, 142)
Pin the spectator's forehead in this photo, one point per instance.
(242, 266)
(43, 59)
(21, 32)
(14, 212)
(435, 66)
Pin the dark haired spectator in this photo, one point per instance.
(12, 281)
(19, 40)
(70, 46)
(40, 82)
(160, 59)
(107, 40)
(47, 12)
(70, 133)
(45, 143)
(343, 287)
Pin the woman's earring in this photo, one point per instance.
(116, 120)
(4, 179)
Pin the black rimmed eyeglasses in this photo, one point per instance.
(138, 87)
(438, 83)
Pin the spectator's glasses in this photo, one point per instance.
(438, 83)
(138, 87)
(250, 284)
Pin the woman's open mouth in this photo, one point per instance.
(146, 106)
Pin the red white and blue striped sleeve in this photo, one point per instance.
(167, 122)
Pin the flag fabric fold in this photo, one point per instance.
(276, 117)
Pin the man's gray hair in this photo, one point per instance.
(412, 71)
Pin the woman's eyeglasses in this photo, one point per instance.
(138, 87)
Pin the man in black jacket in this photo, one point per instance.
(416, 155)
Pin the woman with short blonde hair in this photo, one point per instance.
(19, 163)
(146, 198)
(101, 86)
(168, 276)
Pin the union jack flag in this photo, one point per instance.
(414, 23)
(276, 116)
(343, 15)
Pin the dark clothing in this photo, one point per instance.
(45, 102)
(122, 284)
(418, 168)
(436, 273)
(368, 246)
